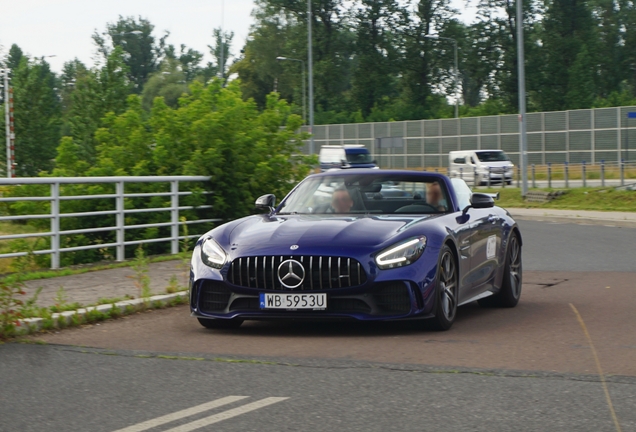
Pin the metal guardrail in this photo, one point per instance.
(55, 216)
(565, 175)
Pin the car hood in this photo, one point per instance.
(318, 235)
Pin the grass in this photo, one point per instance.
(70, 271)
(8, 246)
(90, 317)
(598, 199)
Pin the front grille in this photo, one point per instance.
(393, 297)
(214, 296)
(321, 272)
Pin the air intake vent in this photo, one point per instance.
(214, 296)
(393, 297)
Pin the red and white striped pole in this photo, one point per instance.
(9, 125)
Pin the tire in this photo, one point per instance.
(510, 292)
(508, 182)
(211, 323)
(447, 291)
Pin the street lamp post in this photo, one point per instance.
(8, 123)
(303, 86)
(222, 60)
(456, 74)
(523, 138)
(310, 83)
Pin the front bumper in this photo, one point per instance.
(494, 176)
(388, 300)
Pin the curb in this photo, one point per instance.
(576, 220)
(28, 325)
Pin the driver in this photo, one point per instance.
(434, 196)
(341, 201)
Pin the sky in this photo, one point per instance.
(63, 28)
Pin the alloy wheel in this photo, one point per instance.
(448, 286)
(515, 266)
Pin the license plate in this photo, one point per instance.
(293, 301)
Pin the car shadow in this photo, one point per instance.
(347, 328)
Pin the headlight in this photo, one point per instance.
(212, 254)
(402, 254)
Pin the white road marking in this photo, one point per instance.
(227, 414)
(181, 414)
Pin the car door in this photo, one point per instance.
(465, 235)
(478, 236)
(486, 241)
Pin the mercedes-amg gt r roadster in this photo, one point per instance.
(363, 245)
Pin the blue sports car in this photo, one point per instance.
(359, 244)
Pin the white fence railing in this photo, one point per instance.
(55, 215)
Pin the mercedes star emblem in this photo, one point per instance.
(293, 247)
(291, 273)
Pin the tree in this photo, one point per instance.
(628, 63)
(375, 70)
(169, 82)
(213, 131)
(37, 115)
(582, 80)
(134, 37)
(189, 59)
(495, 44)
(258, 69)
(610, 24)
(567, 26)
(97, 92)
(15, 57)
(281, 30)
(220, 51)
(427, 63)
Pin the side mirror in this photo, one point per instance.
(480, 201)
(266, 202)
(343, 163)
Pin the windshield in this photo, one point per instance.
(368, 193)
(492, 156)
(359, 158)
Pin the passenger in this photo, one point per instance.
(341, 201)
(434, 196)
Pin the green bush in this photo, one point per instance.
(213, 132)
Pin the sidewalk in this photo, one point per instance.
(88, 288)
(619, 219)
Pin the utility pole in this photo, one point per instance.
(310, 67)
(222, 65)
(9, 125)
(523, 138)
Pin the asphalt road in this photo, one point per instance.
(549, 246)
(527, 368)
